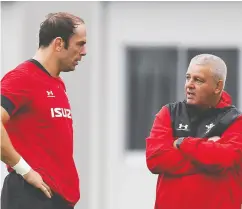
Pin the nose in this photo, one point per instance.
(83, 51)
(189, 84)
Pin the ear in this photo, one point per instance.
(58, 44)
(219, 87)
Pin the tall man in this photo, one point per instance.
(36, 120)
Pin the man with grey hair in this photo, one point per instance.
(195, 146)
(217, 65)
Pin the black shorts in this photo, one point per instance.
(18, 194)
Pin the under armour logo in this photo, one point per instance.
(50, 94)
(209, 127)
(183, 127)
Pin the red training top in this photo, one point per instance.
(40, 127)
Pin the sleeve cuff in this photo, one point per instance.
(179, 141)
(7, 104)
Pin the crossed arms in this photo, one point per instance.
(193, 154)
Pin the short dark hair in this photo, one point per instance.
(59, 24)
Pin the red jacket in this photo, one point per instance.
(181, 184)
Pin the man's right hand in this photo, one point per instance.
(214, 138)
(33, 178)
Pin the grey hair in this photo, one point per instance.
(216, 64)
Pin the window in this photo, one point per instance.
(151, 84)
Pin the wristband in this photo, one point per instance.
(22, 167)
(179, 141)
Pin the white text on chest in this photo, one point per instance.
(60, 113)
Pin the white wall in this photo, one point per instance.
(12, 18)
(11, 44)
